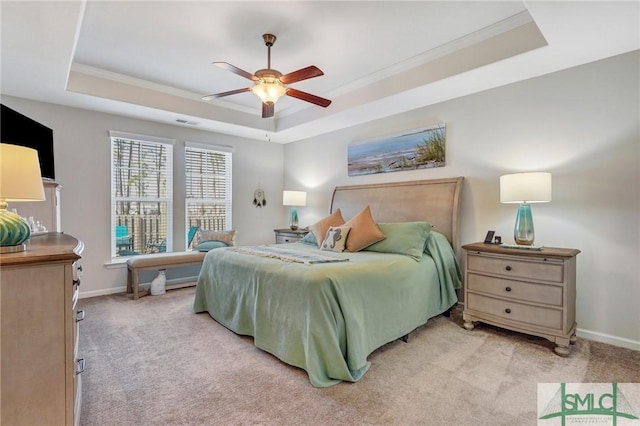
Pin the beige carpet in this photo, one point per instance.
(154, 362)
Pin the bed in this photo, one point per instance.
(328, 317)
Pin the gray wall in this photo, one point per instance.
(82, 155)
(582, 125)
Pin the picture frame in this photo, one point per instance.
(421, 148)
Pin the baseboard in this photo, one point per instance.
(122, 289)
(598, 337)
(104, 292)
(609, 339)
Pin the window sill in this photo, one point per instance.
(116, 263)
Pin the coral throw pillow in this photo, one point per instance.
(320, 228)
(364, 231)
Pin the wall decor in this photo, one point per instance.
(422, 148)
(259, 199)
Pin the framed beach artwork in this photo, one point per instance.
(422, 148)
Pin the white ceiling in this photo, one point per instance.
(152, 59)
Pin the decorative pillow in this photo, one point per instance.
(309, 239)
(336, 238)
(364, 231)
(320, 228)
(123, 241)
(210, 245)
(228, 237)
(408, 238)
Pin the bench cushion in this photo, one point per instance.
(165, 259)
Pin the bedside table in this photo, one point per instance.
(530, 291)
(288, 235)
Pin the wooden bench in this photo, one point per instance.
(159, 261)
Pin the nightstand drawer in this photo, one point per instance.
(548, 270)
(530, 292)
(281, 239)
(517, 312)
(289, 235)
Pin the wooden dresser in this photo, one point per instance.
(528, 291)
(39, 365)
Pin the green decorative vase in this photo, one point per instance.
(14, 231)
(523, 232)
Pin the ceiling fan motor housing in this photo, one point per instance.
(269, 39)
(268, 73)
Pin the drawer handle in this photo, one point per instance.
(81, 366)
(508, 310)
(80, 316)
(508, 268)
(76, 282)
(507, 288)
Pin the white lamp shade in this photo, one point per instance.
(294, 198)
(534, 187)
(20, 178)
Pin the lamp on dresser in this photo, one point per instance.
(294, 199)
(20, 180)
(525, 188)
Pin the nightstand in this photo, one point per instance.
(529, 291)
(288, 235)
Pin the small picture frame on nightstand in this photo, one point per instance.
(489, 238)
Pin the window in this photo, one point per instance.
(208, 187)
(141, 194)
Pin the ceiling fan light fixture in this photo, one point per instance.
(270, 84)
(269, 90)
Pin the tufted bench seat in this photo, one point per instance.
(159, 261)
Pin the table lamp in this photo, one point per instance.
(525, 188)
(20, 180)
(294, 199)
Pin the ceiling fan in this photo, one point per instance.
(270, 84)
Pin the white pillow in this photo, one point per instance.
(336, 238)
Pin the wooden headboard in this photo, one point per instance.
(436, 201)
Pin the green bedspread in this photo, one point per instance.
(327, 318)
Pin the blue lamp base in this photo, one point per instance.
(523, 232)
(293, 219)
(13, 232)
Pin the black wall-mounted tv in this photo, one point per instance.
(18, 129)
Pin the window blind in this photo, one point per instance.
(141, 194)
(208, 187)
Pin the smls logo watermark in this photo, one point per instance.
(588, 404)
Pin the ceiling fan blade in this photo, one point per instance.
(230, 92)
(268, 109)
(302, 74)
(242, 73)
(308, 97)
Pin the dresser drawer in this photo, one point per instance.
(546, 270)
(75, 283)
(78, 315)
(516, 290)
(515, 312)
